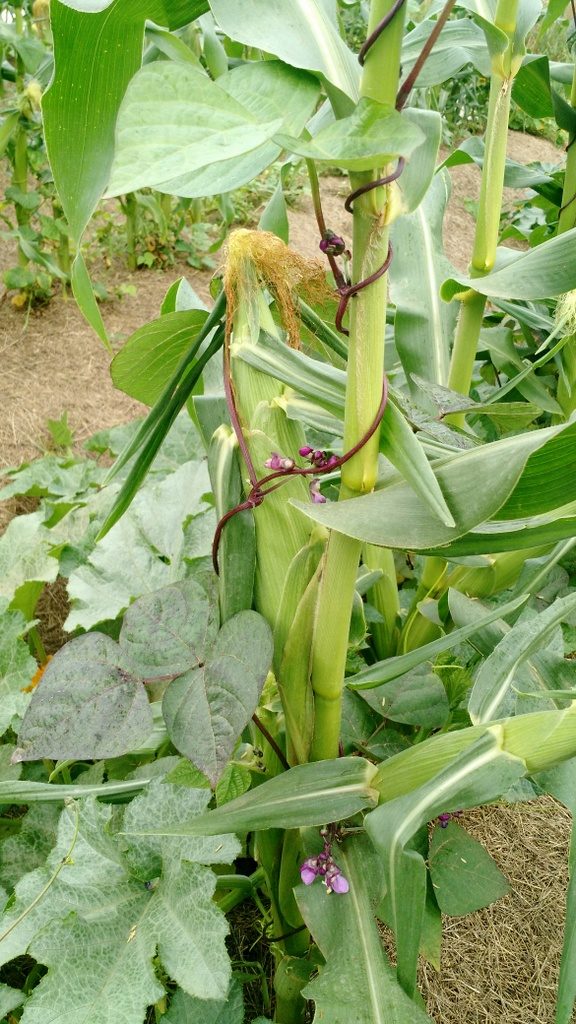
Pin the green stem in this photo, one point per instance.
(363, 395)
(489, 207)
(20, 181)
(330, 643)
(566, 391)
(130, 208)
(567, 218)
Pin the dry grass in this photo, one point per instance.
(500, 965)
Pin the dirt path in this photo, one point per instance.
(500, 965)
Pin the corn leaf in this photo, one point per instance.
(357, 983)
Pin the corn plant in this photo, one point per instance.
(376, 640)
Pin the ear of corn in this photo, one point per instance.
(237, 552)
(294, 678)
(541, 740)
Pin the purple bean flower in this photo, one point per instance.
(315, 493)
(335, 881)
(309, 871)
(277, 461)
(325, 867)
(446, 817)
(305, 451)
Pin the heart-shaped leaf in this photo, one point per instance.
(166, 633)
(85, 706)
(207, 708)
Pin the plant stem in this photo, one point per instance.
(330, 644)
(489, 207)
(130, 207)
(566, 391)
(363, 396)
(20, 181)
(370, 248)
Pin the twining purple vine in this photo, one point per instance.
(344, 288)
(287, 470)
(333, 246)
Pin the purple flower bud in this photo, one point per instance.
(287, 463)
(444, 819)
(318, 456)
(332, 461)
(274, 462)
(305, 451)
(317, 497)
(332, 244)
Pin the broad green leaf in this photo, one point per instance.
(189, 121)
(542, 272)
(51, 476)
(30, 49)
(207, 708)
(86, 299)
(304, 35)
(93, 868)
(554, 10)
(461, 42)
(162, 805)
(515, 175)
(174, 13)
(10, 998)
(309, 794)
(370, 137)
(357, 983)
(486, 13)
(504, 354)
(95, 970)
(8, 126)
(169, 525)
(419, 171)
(235, 781)
(167, 632)
(531, 89)
(17, 666)
(415, 699)
(325, 385)
(269, 91)
(103, 966)
(94, 59)
(147, 361)
(152, 432)
(85, 705)
(532, 92)
(481, 773)
(475, 484)
(184, 1008)
(492, 694)
(423, 325)
(393, 668)
(25, 554)
(29, 849)
(464, 875)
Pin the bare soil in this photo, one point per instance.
(499, 965)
